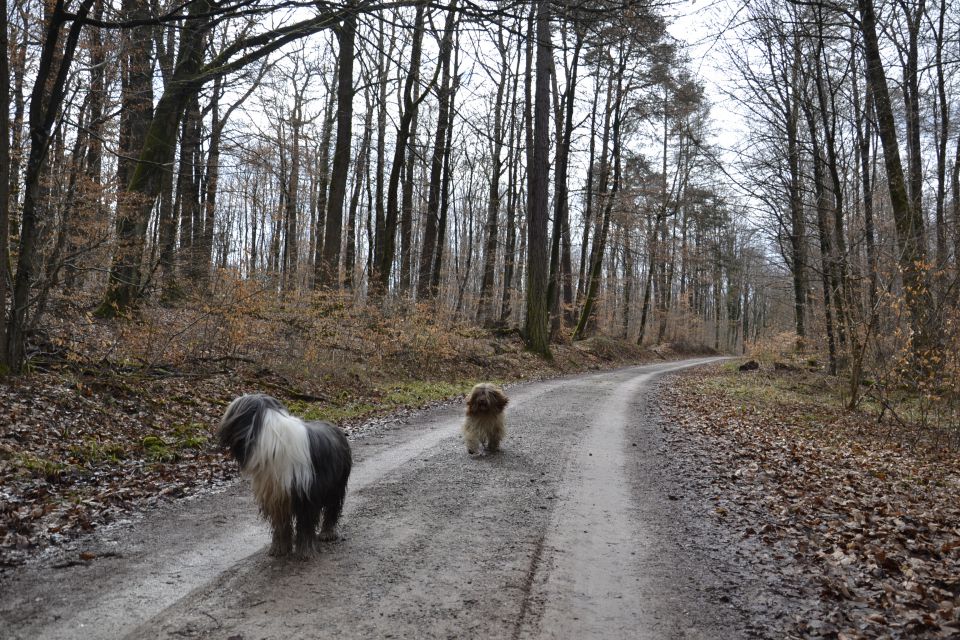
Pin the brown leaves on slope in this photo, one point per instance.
(78, 452)
(874, 523)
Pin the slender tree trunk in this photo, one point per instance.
(826, 251)
(406, 208)
(839, 271)
(333, 233)
(487, 306)
(363, 160)
(4, 181)
(560, 250)
(908, 218)
(798, 231)
(323, 184)
(384, 262)
(383, 66)
(509, 253)
(599, 241)
(444, 196)
(588, 209)
(440, 151)
(203, 255)
(188, 186)
(46, 99)
(955, 190)
(648, 284)
(943, 131)
(536, 330)
(863, 138)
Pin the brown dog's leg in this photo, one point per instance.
(473, 443)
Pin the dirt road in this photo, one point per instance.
(578, 529)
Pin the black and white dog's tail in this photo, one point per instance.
(298, 469)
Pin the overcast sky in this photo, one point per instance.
(703, 25)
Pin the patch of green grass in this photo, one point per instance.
(731, 366)
(157, 449)
(35, 465)
(91, 450)
(331, 413)
(760, 388)
(418, 392)
(192, 435)
(413, 393)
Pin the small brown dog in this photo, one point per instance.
(485, 423)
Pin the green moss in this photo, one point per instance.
(343, 410)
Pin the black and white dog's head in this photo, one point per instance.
(243, 421)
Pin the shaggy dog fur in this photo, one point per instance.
(485, 423)
(299, 470)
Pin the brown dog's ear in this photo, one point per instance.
(472, 400)
(498, 399)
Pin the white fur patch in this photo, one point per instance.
(281, 455)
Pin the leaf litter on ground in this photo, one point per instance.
(871, 519)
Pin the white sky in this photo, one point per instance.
(702, 24)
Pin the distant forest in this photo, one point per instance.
(548, 167)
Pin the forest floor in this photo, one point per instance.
(114, 418)
(860, 515)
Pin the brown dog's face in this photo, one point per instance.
(486, 398)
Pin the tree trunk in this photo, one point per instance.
(333, 232)
(363, 159)
(4, 180)
(863, 138)
(560, 250)
(487, 306)
(509, 253)
(589, 195)
(323, 184)
(45, 102)
(600, 240)
(203, 253)
(158, 151)
(406, 208)
(943, 130)
(380, 280)
(592, 276)
(536, 330)
(908, 219)
(440, 151)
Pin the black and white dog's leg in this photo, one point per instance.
(282, 526)
(331, 515)
(306, 539)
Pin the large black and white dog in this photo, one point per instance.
(299, 470)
